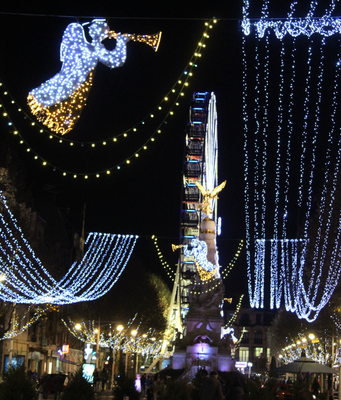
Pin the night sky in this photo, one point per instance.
(142, 198)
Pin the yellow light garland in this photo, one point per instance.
(57, 117)
(184, 84)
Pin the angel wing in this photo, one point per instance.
(216, 190)
(73, 35)
(202, 189)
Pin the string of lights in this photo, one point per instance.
(18, 328)
(235, 314)
(325, 26)
(210, 284)
(317, 347)
(164, 263)
(210, 279)
(26, 280)
(117, 337)
(270, 214)
(172, 98)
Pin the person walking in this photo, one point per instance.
(104, 378)
(149, 388)
(211, 388)
(236, 390)
(159, 387)
(96, 378)
(44, 386)
(58, 387)
(315, 386)
(143, 385)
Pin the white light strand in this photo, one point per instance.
(325, 26)
(290, 280)
(27, 281)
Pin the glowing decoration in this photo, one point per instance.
(201, 163)
(18, 327)
(172, 99)
(199, 251)
(287, 221)
(209, 195)
(120, 337)
(317, 347)
(164, 263)
(27, 281)
(150, 40)
(235, 314)
(58, 102)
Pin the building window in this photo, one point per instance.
(258, 337)
(243, 354)
(258, 351)
(244, 319)
(245, 337)
(268, 354)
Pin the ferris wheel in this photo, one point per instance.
(201, 166)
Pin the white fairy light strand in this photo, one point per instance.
(27, 281)
(289, 254)
(325, 26)
(110, 337)
(16, 330)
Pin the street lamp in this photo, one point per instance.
(249, 364)
(119, 328)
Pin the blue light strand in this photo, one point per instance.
(325, 26)
(297, 297)
(27, 281)
(251, 290)
(256, 199)
(306, 305)
(311, 177)
(274, 266)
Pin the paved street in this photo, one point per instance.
(107, 394)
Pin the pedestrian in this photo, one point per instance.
(35, 378)
(211, 388)
(44, 384)
(315, 386)
(236, 390)
(149, 387)
(67, 379)
(143, 385)
(159, 387)
(96, 378)
(58, 385)
(104, 378)
(29, 374)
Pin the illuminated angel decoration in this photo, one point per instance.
(208, 196)
(198, 250)
(58, 102)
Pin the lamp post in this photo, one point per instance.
(311, 336)
(249, 364)
(98, 332)
(119, 328)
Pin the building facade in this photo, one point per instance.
(251, 325)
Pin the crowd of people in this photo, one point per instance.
(100, 378)
(152, 387)
(59, 382)
(211, 388)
